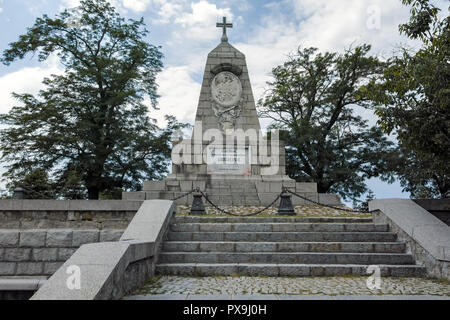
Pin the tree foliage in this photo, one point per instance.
(36, 185)
(89, 127)
(414, 103)
(363, 205)
(313, 96)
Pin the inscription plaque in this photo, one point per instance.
(222, 160)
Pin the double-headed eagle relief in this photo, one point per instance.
(226, 91)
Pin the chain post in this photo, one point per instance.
(19, 193)
(197, 207)
(285, 208)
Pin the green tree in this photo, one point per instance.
(414, 103)
(36, 184)
(312, 97)
(89, 128)
(363, 205)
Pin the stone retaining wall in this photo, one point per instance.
(65, 220)
(40, 252)
(109, 270)
(38, 236)
(67, 214)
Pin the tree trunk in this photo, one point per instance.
(93, 193)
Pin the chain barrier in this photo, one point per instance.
(225, 211)
(325, 205)
(231, 213)
(186, 194)
(268, 206)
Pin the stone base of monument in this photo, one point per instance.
(236, 190)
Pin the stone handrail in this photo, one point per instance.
(427, 237)
(109, 270)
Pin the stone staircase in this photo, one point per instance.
(278, 246)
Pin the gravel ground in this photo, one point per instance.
(301, 211)
(237, 285)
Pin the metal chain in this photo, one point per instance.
(186, 194)
(239, 215)
(222, 210)
(325, 205)
(268, 206)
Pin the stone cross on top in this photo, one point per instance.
(224, 25)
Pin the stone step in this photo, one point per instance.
(227, 219)
(278, 227)
(284, 236)
(286, 258)
(196, 246)
(274, 270)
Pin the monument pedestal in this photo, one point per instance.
(224, 190)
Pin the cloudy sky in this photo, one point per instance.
(265, 31)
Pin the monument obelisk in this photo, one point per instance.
(227, 157)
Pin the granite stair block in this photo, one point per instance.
(273, 246)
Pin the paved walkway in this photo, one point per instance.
(237, 287)
(284, 297)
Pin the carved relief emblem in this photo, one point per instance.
(226, 91)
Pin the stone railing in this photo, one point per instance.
(109, 270)
(427, 238)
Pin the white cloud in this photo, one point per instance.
(121, 5)
(69, 4)
(26, 80)
(333, 25)
(179, 94)
(136, 5)
(1, 10)
(167, 11)
(199, 23)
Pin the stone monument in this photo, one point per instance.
(228, 157)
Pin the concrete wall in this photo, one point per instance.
(427, 238)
